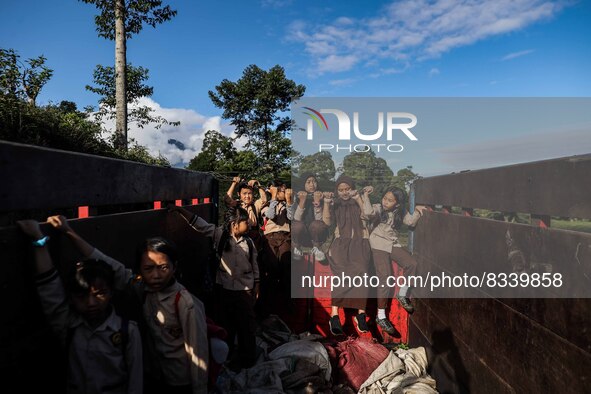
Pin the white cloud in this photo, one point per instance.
(433, 72)
(276, 3)
(342, 82)
(516, 54)
(389, 71)
(410, 30)
(191, 132)
(214, 123)
(335, 63)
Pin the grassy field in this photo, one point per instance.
(579, 225)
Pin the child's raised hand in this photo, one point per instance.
(317, 197)
(328, 196)
(288, 195)
(236, 179)
(421, 208)
(59, 222)
(273, 191)
(354, 194)
(253, 183)
(367, 190)
(302, 195)
(30, 228)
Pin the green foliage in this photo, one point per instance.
(246, 163)
(319, 164)
(20, 81)
(59, 126)
(257, 104)
(217, 154)
(139, 153)
(10, 75)
(104, 79)
(137, 13)
(367, 169)
(404, 178)
(277, 158)
(68, 107)
(51, 126)
(35, 77)
(64, 127)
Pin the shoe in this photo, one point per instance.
(297, 254)
(386, 325)
(361, 322)
(335, 326)
(318, 254)
(405, 303)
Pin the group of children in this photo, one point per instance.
(163, 349)
(282, 229)
(162, 343)
(365, 233)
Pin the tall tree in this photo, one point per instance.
(104, 79)
(119, 20)
(257, 105)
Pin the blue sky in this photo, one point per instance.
(521, 48)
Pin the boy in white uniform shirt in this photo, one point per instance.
(172, 319)
(104, 351)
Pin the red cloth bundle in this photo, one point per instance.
(357, 359)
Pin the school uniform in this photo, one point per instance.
(386, 247)
(277, 233)
(253, 210)
(177, 326)
(176, 341)
(100, 360)
(308, 228)
(276, 261)
(237, 274)
(349, 253)
(383, 237)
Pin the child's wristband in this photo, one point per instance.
(40, 242)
